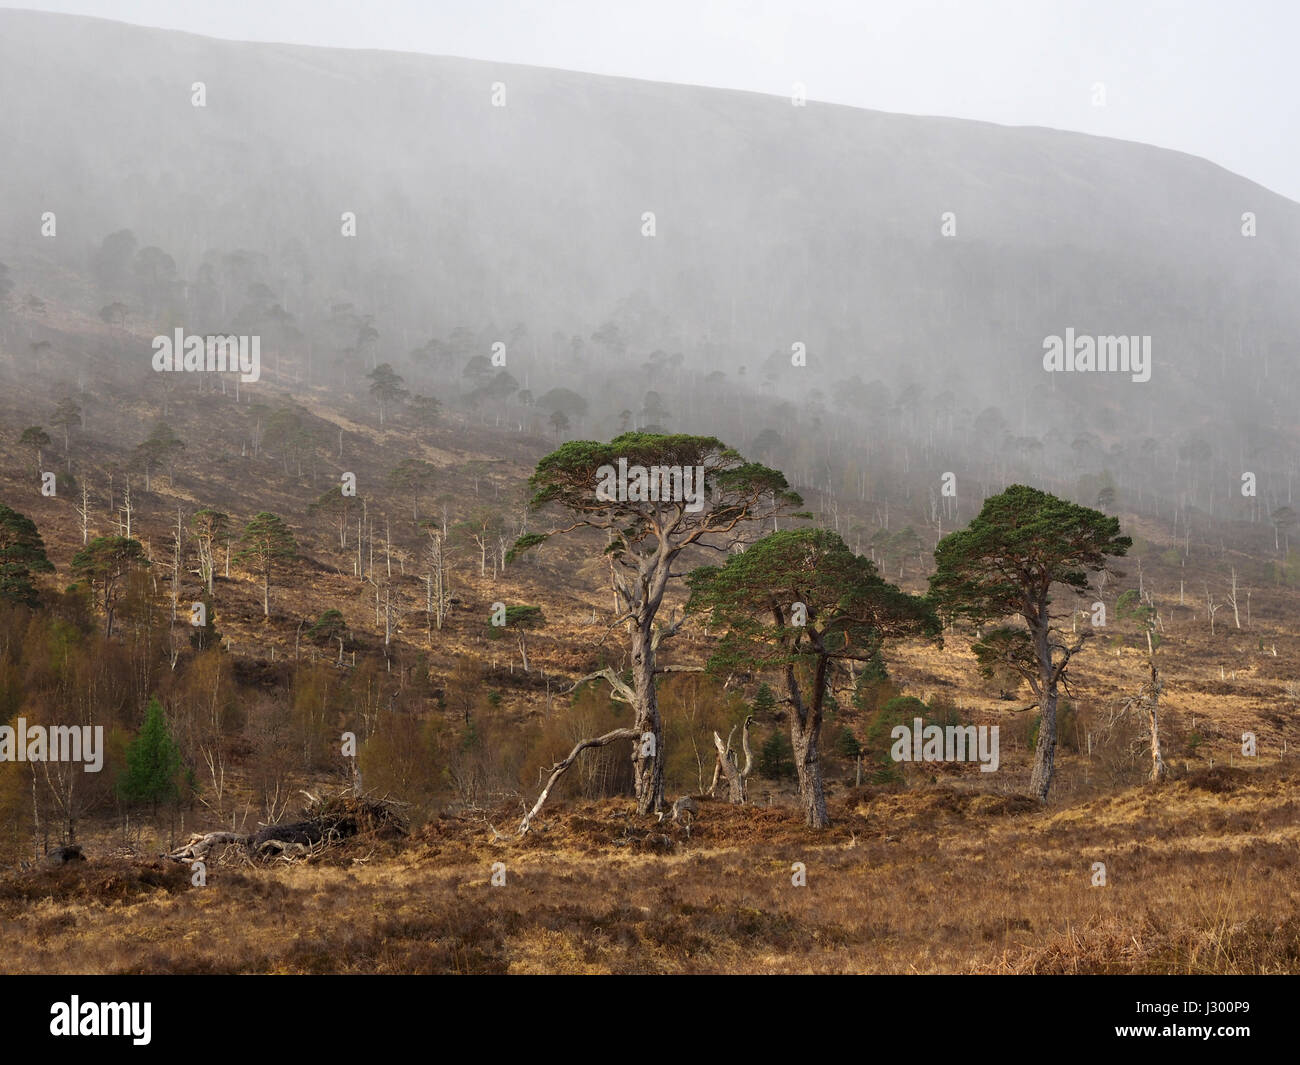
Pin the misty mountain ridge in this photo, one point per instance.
(774, 226)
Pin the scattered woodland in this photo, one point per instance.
(327, 615)
(384, 685)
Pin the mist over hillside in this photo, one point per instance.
(774, 225)
(575, 423)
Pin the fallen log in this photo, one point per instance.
(325, 823)
(200, 845)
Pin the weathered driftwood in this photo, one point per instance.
(560, 768)
(201, 845)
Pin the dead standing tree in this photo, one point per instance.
(1211, 607)
(654, 496)
(1147, 699)
(1232, 600)
(437, 597)
(736, 775)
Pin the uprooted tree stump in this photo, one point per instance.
(325, 823)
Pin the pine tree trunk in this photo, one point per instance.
(1040, 782)
(807, 761)
(647, 768)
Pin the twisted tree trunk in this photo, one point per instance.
(1040, 782)
(805, 738)
(806, 742)
(736, 776)
(647, 752)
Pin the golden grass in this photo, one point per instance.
(1201, 878)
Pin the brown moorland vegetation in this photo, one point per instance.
(949, 871)
(1201, 878)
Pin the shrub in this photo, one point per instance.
(776, 757)
(846, 744)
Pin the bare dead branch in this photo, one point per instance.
(622, 693)
(560, 768)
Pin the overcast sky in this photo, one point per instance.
(1218, 80)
